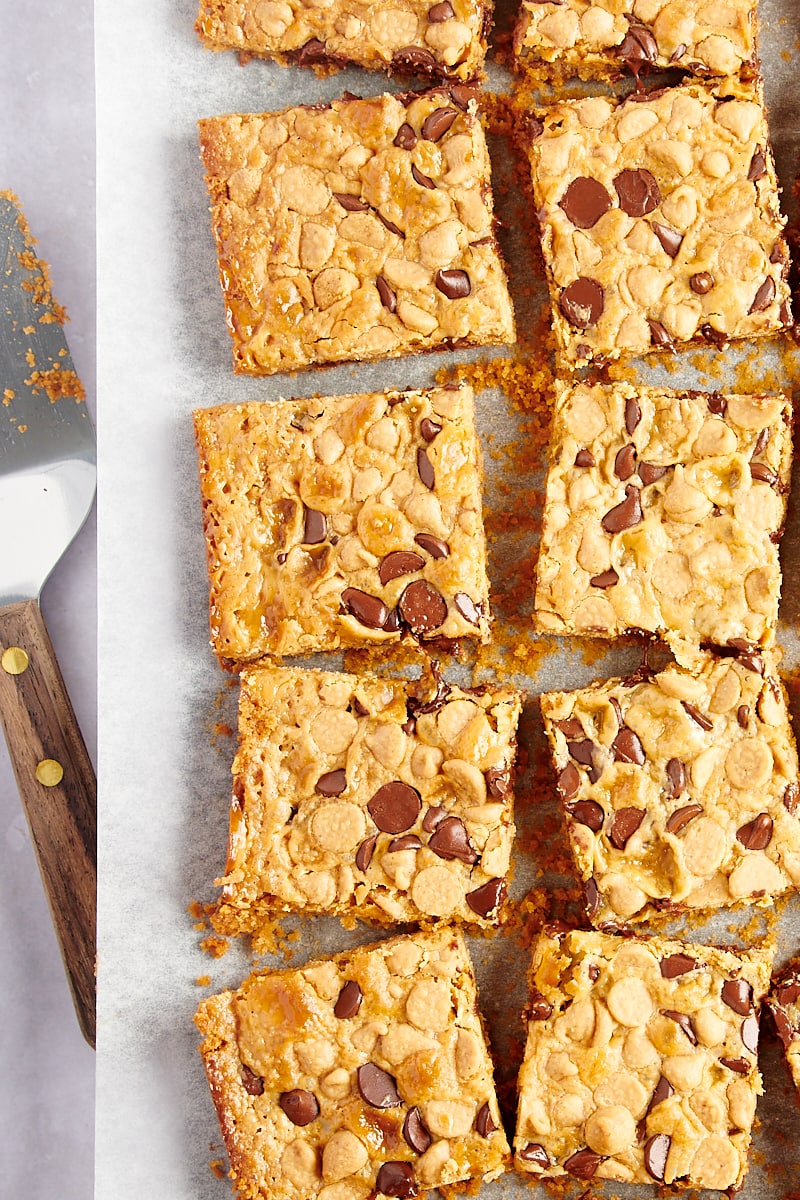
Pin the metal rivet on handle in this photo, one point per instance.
(15, 660)
(49, 772)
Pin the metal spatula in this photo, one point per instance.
(47, 485)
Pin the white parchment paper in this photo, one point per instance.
(164, 766)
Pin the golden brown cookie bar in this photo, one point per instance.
(663, 513)
(598, 38)
(343, 521)
(355, 231)
(784, 1005)
(435, 38)
(366, 797)
(660, 220)
(641, 1062)
(680, 789)
(364, 1074)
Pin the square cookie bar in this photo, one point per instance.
(641, 1061)
(598, 38)
(361, 1075)
(372, 798)
(343, 521)
(445, 39)
(660, 220)
(784, 1005)
(680, 790)
(663, 513)
(355, 231)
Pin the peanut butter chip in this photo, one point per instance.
(415, 1132)
(629, 1002)
(637, 191)
(349, 1001)
(436, 892)
(422, 608)
(585, 201)
(338, 828)
(377, 1087)
(582, 302)
(428, 1005)
(396, 1179)
(395, 807)
(656, 1152)
(343, 1155)
(488, 897)
(450, 841)
(610, 1130)
(300, 1106)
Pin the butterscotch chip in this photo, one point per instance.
(356, 231)
(671, 524)
(638, 1068)
(403, 1114)
(411, 832)
(784, 1005)
(660, 220)
(319, 515)
(697, 816)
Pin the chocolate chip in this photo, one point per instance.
(315, 527)
(432, 818)
(468, 608)
(569, 782)
(422, 608)
(351, 203)
(699, 718)
(658, 334)
(300, 1106)
(764, 296)
(455, 285)
(747, 654)
(450, 840)
(388, 298)
(395, 807)
(638, 192)
(349, 1001)
(253, 1084)
(740, 1065)
(763, 474)
(756, 834)
(585, 201)
(663, 1090)
(790, 797)
(701, 283)
(749, 1034)
(423, 180)
(583, 1163)
(584, 458)
(534, 1153)
(743, 715)
(677, 964)
(409, 841)
(415, 1132)
(626, 514)
(369, 610)
(399, 562)
(397, 1179)
(649, 473)
(429, 429)
(588, 813)
(591, 897)
(678, 52)
(627, 747)
(433, 545)
(405, 138)
(438, 122)
(717, 405)
(332, 783)
(738, 995)
(441, 12)
(582, 751)
(633, 414)
(570, 727)
(625, 462)
(682, 816)
(539, 1009)
(377, 1087)
(390, 225)
(365, 852)
(582, 302)
(314, 51)
(676, 773)
(392, 623)
(498, 782)
(414, 58)
(715, 336)
(605, 579)
(656, 1152)
(463, 94)
(593, 971)
(684, 1021)
(758, 165)
(788, 993)
(671, 240)
(624, 825)
(489, 896)
(638, 47)
(484, 1124)
(425, 469)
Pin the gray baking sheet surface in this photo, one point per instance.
(164, 703)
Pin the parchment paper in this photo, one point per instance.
(164, 764)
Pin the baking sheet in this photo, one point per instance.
(164, 755)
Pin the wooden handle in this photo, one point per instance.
(58, 789)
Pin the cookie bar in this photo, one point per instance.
(366, 797)
(663, 512)
(660, 220)
(445, 39)
(680, 790)
(343, 521)
(640, 1064)
(361, 1075)
(599, 38)
(784, 1005)
(355, 231)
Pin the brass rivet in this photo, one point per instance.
(49, 772)
(14, 660)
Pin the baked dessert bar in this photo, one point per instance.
(355, 231)
(640, 1064)
(367, 797)
(660, 220)
(680, 790)
(784, 1004)
(343, 521)
(444, 39)
(599, 38)
(364, 1074)
(663, 513)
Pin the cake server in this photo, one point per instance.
(47, 486)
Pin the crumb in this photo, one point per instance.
(215, 946)
(57, 384)
(218, 1168)
(203, 980)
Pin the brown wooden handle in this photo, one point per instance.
(58, 789)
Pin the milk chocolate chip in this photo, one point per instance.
(684, 1021)
(627, 747)
(423, 180)
(455, 285)
(433, 545)
(582, 302)
(399, 562)
(397, 1179)
(588, 813)
(415, 1131)
(626, 514)
(300, 1106)
(677, 964)
(253, 1084)
(369, 610)
(489, 896)
(758, 166)
(569, 782)
(656, 1152)
(738, 995)
(682, 816)
(534, 1153)
(429, 429)
(441, 12)
(585, 201)
(699, 718)
(756, 834)
(649, 473)
(701, 283)
(676, 774)
(425, 468)
(583, 1163)
(395, 807)
(625, 462)
(388, 298)
(437, 124)
(450, 841)
(638, 192)
(365, 852)
(377, 1087)
(405, 138)
(315, 527)
(749, 1034)
(422, 608)
(468, 608)
(638, 48)
(605, 579)
(624, 825)
(671, 241)
(764, 296)
(332, 783)
(483, 1122)
(349, 1001)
